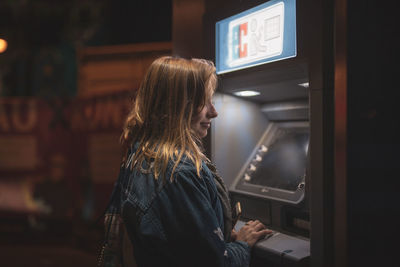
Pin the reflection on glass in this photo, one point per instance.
(283, 164)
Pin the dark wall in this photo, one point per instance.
(373, 133)
(127, 21)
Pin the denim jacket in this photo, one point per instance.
(176, 223)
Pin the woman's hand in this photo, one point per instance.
(251, 232)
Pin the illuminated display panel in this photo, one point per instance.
(263, 34)
(277, 167)
(283, 165)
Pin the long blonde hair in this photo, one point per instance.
(173, 91)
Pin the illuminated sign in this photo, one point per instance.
(259, 35)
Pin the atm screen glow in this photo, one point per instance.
(259, 35)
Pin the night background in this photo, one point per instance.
(48, 33)
(67, 78)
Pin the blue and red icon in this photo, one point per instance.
(239, 46)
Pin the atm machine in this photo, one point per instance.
(260, 138)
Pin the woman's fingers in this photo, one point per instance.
(263, 233)
(256, 225)
(253, 231)
(252, 223)
(259, 226)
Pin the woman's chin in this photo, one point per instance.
(202, 134)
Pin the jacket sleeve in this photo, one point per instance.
(187, 219)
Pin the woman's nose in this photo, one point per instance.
(212, 112)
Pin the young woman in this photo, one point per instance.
(174, 206)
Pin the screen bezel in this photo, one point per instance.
(243, 187)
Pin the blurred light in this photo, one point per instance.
(252, 167)
(305, 85)
(3, 45)
(246, 93)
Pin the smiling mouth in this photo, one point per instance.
(205, 124)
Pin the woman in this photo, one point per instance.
(174, 207)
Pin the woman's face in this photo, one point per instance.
(202, 121)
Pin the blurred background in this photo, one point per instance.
(68, 73)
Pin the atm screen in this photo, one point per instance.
(283, 164)
(277, 167)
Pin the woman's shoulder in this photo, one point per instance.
(186, 173)
(186, 165)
